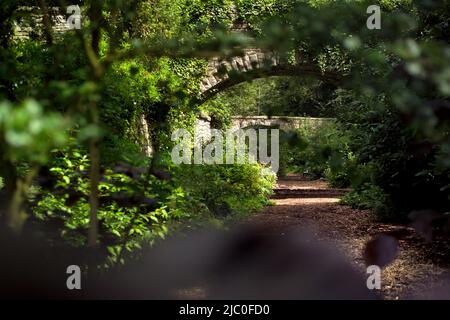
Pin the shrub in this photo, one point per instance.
(134, 206)
(370, 196)
(137, 207)
(228, 190)
(318, 152)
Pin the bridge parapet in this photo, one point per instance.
(203, 124)
(281, 122)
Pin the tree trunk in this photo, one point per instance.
(15, 212)
(93, 197)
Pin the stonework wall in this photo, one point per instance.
(144, 130)
(283, 123)
(203, 126)
(30, 22)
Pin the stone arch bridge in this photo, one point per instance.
(256, 63)
(222, 73)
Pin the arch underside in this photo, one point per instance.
(234, 77)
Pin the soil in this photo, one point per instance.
(417, 271)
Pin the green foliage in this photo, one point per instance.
(30, 133)
(369, 196)
(228, 190)
(143, 59)
(204, 16)
(276, 96)
(219, 112)
(318, 151)
(395, 163)
(135, 207)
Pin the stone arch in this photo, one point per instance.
(252, 64)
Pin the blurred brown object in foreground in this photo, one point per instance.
(247, 263)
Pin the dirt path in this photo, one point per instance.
(314, 205)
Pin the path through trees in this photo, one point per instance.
(313, 205)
